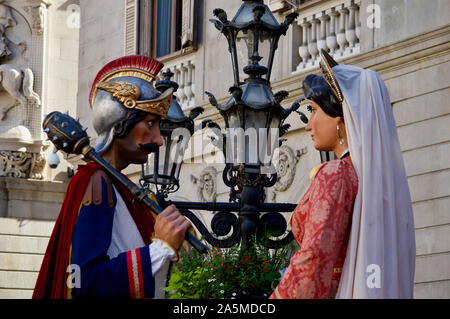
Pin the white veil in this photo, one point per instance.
(381, 251)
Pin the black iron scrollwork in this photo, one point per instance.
(221, 225)
(222, 222)
(273, 225)
(269, 182)
(230, 177)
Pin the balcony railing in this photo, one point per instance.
(335, 29)
(183, 68)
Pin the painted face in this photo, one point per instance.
(144, 132)
(322, 128)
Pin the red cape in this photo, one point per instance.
(51, 282)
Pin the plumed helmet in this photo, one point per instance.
(121, 89)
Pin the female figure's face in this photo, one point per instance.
(323, 128)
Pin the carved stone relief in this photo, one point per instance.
(18, 83)
(7, 21)
(286, 168)
(21, 164)
(15, 80)
(206, 184)
(37, 15)
(6, 18)
(21, 25)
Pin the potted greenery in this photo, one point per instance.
(228, 273)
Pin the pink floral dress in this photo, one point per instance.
(321, 224)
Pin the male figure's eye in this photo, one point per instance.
(150, 123)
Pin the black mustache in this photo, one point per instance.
(151, 147)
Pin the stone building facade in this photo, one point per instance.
(406, 41)
(41, 36)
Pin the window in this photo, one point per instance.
(167, 34)
(159, 27)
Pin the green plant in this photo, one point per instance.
(228, 273)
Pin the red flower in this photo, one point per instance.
(222, 263)
(247, 257)
(243, 262)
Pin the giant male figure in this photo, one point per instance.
(116, 246)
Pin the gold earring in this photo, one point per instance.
(341, 140)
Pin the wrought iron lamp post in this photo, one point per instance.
(163, 166)
(253, 107)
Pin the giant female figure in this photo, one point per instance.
(354, 225)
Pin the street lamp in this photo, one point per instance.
(255, 27)
(253, 108)
(163, 166)
(257, 118)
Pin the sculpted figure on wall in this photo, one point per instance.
(15, 80)
(286, 168)
(7, 21)
(36, 12)
(20, 153)
(6, 18)
(18, 83)
(5, 52)
(206, 184)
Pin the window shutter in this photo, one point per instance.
(131, 24)
(188, 26)
(145, 27)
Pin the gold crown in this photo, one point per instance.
(128, 94)
(326, 63)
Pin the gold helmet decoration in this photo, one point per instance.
(129, 79)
